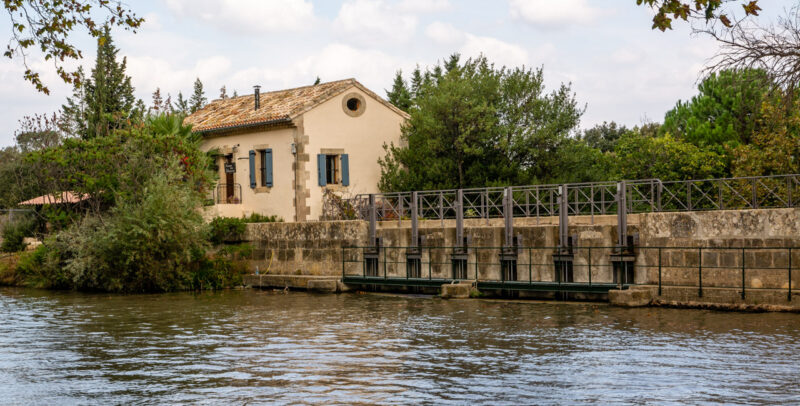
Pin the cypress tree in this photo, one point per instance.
(181, 105)
(198, 99)
(400, 96)
(103, 102)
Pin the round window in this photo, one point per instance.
(353, 104)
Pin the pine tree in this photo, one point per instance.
(198, 99)
(416, 82)
(318, 81)
(181, 105)
(235, 94)
(452, 63)
(223, 93)
(400, 96)
(103, 102)
(158, 102)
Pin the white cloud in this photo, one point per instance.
(149, 73)
(550, 13)
(423, 6)
(373, 22)
(497, 51)
(335, 61)
(248, 16)
(444, 33)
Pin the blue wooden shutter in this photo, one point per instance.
(321, 169)
(345, 170)
(268, 166)
(252, 169)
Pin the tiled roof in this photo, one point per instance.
(276, 106)
(66, 197)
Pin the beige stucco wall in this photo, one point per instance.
(277, 200)
(329, 127)
(325, 127)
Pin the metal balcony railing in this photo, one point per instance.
(227, 193)
(597, 198)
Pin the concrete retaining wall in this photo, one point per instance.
(315, 248)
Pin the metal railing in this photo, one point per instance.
(597, 198)
(225, 193)
(592, 269)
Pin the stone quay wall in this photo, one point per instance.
(676, 243)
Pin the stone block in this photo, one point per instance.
(323, 285)
(456, 290)
(630, 297)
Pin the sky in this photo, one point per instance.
(619, 68)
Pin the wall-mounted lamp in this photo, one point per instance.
(294, 149)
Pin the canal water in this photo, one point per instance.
(252, 346)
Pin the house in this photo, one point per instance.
(279, 152)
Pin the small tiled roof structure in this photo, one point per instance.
(66, 197)
(275, 107)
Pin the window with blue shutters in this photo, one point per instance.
(345, 161)
(265, 167)
(333, 169)
(252, 169)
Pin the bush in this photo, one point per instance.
(42, 268)
(14, 234)
(260, 218)
(226, 229)
(145, 243)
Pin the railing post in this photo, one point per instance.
(342, 262)
(399, 210)
(743, 282)
(508, 216)
(622, 215)
(414, 220)
(790, 274)
(441, 207)
(659, 190)
(385, 251)
(430, 263)
(590, 266)
(459, 218)
(563, 216)
(700, 271)
(755, 194)
(530, 268)
(659, 271)
(372, 220)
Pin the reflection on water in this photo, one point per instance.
(267, 347)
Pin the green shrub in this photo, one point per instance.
(260, 218)
(14, 234)
(146, 243)
(42, 268)
(226, 229)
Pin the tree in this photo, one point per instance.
(775, 148)
(181, 105)
(603, 136)
(400, 96)
(103, 102)
(158, 102)
(223, 93)
(638, 156)
(477, 125)
(707, 11)
(772, 49)
(724, 112)
(47, 25)
(317, 81)
(198, 99)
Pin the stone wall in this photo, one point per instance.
(316, 248)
